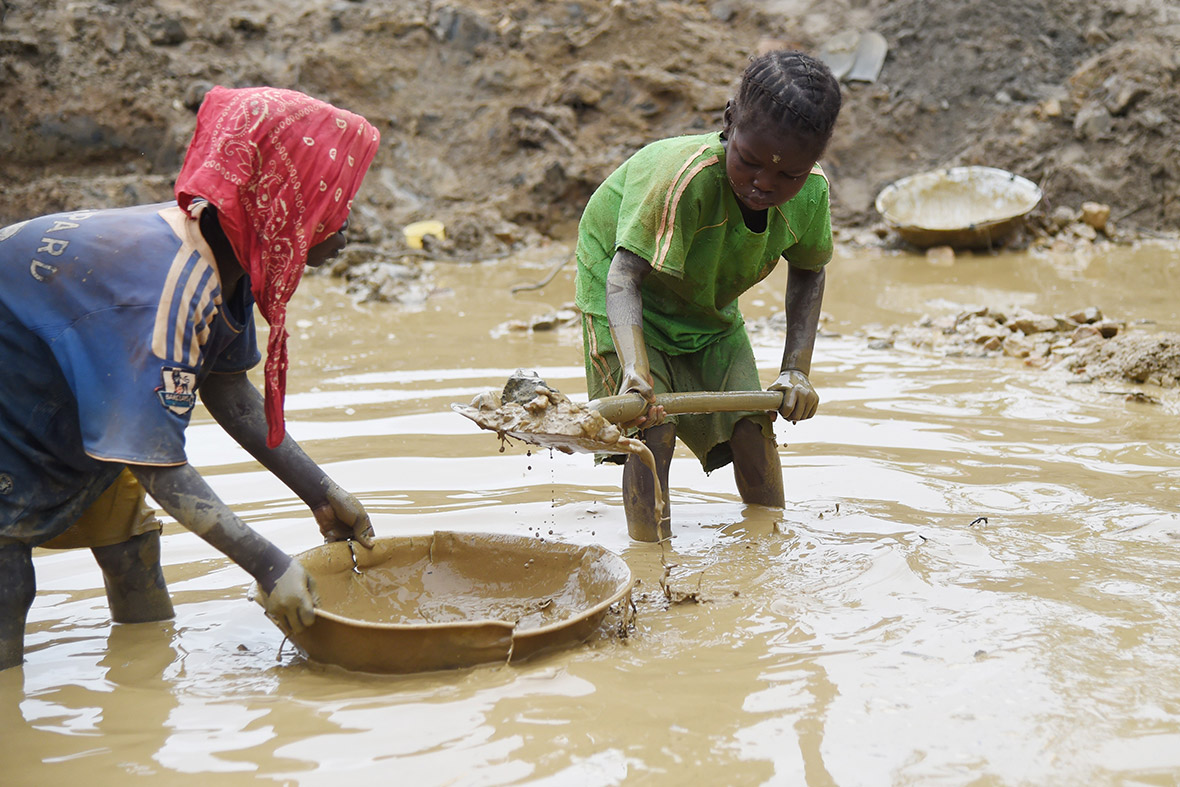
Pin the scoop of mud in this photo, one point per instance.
(530, 410)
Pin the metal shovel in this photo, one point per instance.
(523, 386)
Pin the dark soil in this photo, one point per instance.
(500, 118)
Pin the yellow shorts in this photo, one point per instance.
(118, 514)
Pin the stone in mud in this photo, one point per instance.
(1085, 334)
(1017, 346)
(940, 255)
(1096, 215)
(1108, 329)
(1061, 217)
(522, 386)
(1085, 316)
(1034, 323)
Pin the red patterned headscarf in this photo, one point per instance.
(282, 169)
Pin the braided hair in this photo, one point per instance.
(791, 90)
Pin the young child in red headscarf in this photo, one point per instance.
(112, 321)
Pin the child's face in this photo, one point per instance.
(765, 168)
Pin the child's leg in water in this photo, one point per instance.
(639, 491)
(756, 465)
(134, 580)
(17, 587)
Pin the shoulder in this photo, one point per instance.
(814, 194)
(678, 158)
(818, 176)
(671, 174)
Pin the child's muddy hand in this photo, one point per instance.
(635, 382)
(343, 517)
(800, 401)
(291, 602)
(654, 416)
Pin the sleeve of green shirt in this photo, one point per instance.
(814, 248)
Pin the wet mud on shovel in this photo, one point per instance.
(529, 410)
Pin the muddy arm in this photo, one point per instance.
(624, 312)
(184, 494)
(805, 294)
(237, 406)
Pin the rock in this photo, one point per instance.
(1050, 108)
(248, 23)
(462, 28)
(166, 31)
(1096, 36)
(723, 11)
(993, 343)
(990, 336)
(943, 256)
(194, 94)
(970, 312)
(1093, 121)
(1122, 94)
(1087, 315)
(1096, 215)
(1061, 217)
(1108, 329)
(1035, 323)
(545, 322)
(1151, 119)
(1085, 334)
(1017, 346)
(522, 387)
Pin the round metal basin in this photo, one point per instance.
(963, 207)
(451, 600)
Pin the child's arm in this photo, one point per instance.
(624, 312)
(183, 493)
(805, 294)
(235, 403)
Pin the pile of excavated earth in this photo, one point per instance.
(500, 118)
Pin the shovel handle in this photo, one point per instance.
(626, 407)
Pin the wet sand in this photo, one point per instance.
(976, 579)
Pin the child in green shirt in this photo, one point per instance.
(670, 240)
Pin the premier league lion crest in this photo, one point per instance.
(178, 393)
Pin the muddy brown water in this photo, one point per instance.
(976, 579)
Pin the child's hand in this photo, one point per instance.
(634, 382)
(291, 602)
(800, 401)
(343, 517)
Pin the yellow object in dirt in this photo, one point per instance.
(419, 229)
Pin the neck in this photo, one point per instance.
(229, 270)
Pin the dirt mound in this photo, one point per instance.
(501, 117)
(1152, 358)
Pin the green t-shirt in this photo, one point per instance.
(671, 203)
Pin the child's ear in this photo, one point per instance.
(727, 119)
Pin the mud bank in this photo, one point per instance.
(500, 118)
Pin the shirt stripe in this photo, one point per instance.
(596, 356)
(672, 204)
(187, 305)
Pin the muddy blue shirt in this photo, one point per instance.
(109, 322)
